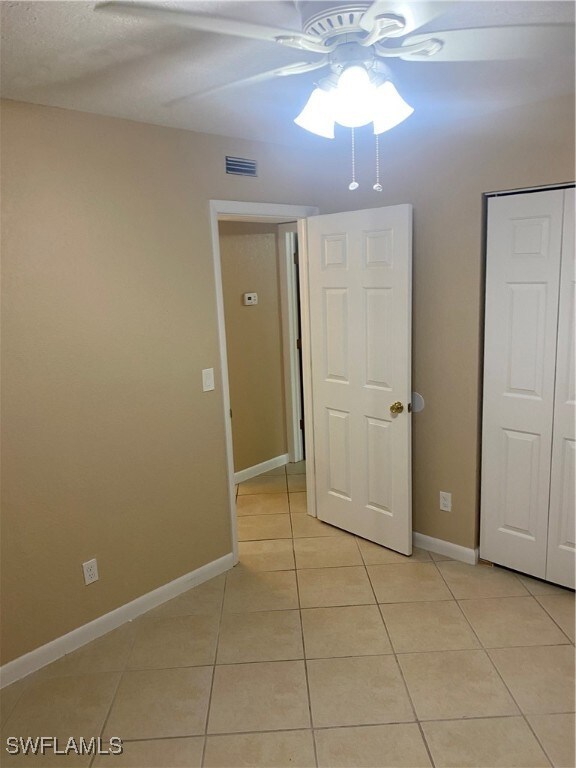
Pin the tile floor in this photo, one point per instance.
(321, 649)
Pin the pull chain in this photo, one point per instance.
(377, 187)
(353, 184)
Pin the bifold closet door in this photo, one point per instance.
(562, 522)
(524, 241)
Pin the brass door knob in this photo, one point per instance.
(396, 407)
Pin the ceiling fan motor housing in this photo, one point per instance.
(324, 23)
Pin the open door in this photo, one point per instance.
(359, 288)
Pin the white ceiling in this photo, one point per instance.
(64, 54)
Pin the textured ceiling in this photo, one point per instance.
(64, 54)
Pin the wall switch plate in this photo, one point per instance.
(249, 299)
(208, 379)
(90, 568)
(445, 501)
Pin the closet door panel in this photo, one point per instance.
(561, 537)
(522, 278)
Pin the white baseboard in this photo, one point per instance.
(46, 654)
(447, 548)
(258, 469)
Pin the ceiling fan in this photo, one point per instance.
(352, 41)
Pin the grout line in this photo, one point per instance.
(304, 654)
(216, 648)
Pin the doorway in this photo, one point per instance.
(244, 212)
(261, 308)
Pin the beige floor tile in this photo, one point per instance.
(357, 691)
(452, 684)
(440, 627)
(205, 598)
(561, 608)
(277, 471)
(157, 703)
(261, 636)
(74, 705)
(556, 734)
(499, 742)
(288, 749)
(374, 554)
(305, 526)
(438, 557)
(297, 468)
(325, 587)
(298, 503)
(259, 697)
(255, 527)
(326, 552)
(502, 622)
(107, 654)
(468, 581)
(356, 630)
(159, 753)
(260, 591)
(541, 678)
(539, 587)
(274, 555)
(274, 484)
(10, 695)
(296, 483)
(409, 582)
(176, 641)
(372, 746)
(262, 504)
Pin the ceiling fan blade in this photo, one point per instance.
(415, 14)
(217, 25)
(492, 43)
(291, 69)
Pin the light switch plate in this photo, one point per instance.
(208, 379)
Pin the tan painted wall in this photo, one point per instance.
(444, 174)
(110, 447)
(249, 259)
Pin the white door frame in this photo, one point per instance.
(259, 211)
(287, 248)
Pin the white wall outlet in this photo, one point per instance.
(249, 299)
(445, 501)
(208, 379)
(90, 568)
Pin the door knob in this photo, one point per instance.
(396, 407)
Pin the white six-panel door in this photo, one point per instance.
(562, 520)
(359, 271)
(520, 482)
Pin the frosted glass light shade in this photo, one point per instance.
(317, 115)
(389, 108)
(353, 98)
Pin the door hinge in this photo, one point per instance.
(298, 343)
(295, 255)
(230, 412)
(301, 423)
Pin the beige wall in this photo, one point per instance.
(444, 174)
(110, 447)
(249, 260)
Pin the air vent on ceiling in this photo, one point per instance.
(239, 166)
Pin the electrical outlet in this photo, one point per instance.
(445, 501)
(90, 568)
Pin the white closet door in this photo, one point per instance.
(561, 536)
(522, 277)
